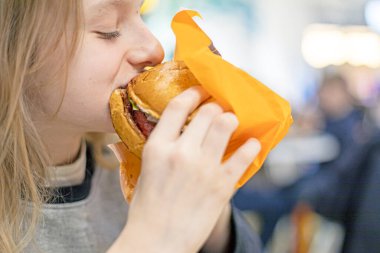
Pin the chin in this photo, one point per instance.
(107, 127)
(101, 125)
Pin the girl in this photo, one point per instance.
(60, 61)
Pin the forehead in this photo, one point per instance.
(99, 4)
(96, 5)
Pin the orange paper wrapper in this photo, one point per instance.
(130, 168)
(262, 113)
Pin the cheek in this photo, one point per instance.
(90, 82)
(95, 64)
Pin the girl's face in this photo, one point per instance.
(116, 46)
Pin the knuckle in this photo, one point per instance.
(226, 122)
(210, 109)
(179, 104)
(246, 156)
(179, 157)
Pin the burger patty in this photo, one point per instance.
(139, 117)
(145, 126)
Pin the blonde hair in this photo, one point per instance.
(30, 31)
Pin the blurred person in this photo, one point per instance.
(345, 189)
(342, 117)
(344, 121)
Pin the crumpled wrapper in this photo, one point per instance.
(262, 114)
(130, 168)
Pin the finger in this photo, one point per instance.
(218, 135)
(195, 132)
(175, 114)
(238, 163)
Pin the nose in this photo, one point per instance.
(147, 50)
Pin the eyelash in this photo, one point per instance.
(109, 36)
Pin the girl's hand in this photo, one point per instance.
(184, 185)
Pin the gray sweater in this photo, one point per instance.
(93, 221)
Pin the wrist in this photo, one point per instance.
(220, 237)
(134, 240)
(142, 238)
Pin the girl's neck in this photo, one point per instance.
(63, 148)
(65, 151)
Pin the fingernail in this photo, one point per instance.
(235, 119)
(255, 143)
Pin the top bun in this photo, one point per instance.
(153, 89)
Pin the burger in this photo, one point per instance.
(136, 109)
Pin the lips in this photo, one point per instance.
(124, 84)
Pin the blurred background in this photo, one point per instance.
(317, 190)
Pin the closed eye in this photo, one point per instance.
(108, 36)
